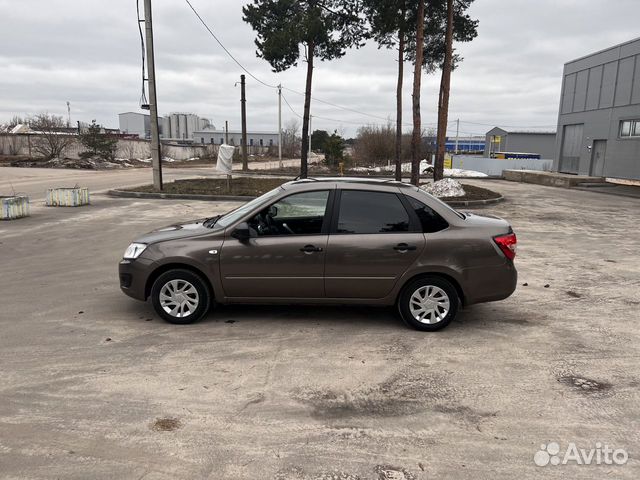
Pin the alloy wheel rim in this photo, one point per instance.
(179, 298)
(429, 304)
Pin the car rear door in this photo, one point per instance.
(285, 258)
(373, 241)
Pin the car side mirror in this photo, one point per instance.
(242, 232)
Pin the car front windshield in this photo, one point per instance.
(238, 213)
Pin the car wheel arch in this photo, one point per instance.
(176, 266)
(442, 275)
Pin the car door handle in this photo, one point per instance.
(403, 247)
(310, 249)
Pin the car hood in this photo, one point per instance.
(172, 232)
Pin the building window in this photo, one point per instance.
(271, 142)
(630, 128)
(212, 140)
(221, 141)
(251, 142)
(261, 143)
(202, 140)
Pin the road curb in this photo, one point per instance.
(241, 198)
(178, 196)
(474, 203)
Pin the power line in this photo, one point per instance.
(315, 99)
(275, 86)
(225, 48)
(507, 126)
(290, 107)
(319, 100)
(328, 119)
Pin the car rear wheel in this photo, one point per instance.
(428, 303)
(180, 296)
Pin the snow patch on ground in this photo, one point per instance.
(425, 168)
(447, 187)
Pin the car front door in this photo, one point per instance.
(285, 256)
(372, 243)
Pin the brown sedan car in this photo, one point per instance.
(327, 241)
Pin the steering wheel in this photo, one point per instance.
(268, 220)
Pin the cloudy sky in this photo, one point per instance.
(87, 52)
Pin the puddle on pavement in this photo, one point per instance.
(584, 385)
(166, 425)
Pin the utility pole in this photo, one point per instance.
(310, 130)
(68, 114)
(280, 124)
(226, 141)
(457, 134)
(153, 101)
(243, 101)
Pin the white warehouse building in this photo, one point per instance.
(175, 126)
(254, 139)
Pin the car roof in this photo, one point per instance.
(342, 182)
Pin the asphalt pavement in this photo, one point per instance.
(94, 385)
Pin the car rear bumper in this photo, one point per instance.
(489, 284)
(133, 277)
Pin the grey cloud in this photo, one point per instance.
(88, 52)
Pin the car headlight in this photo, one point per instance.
(134, 250)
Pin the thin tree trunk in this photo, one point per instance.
(443, 102)
(416, 139)
(307, 107)
(401, 41)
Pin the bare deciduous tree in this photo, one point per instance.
(51, 140)
(291, 140)
(127, 149)
(374, 145)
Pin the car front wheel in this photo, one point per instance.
(180, 296)
(428, 303)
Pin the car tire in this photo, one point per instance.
(180, 296)
(428, 303)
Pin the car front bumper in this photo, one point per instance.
(133, 277)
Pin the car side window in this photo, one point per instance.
(430, 220)
(298, 214)
(371, 212)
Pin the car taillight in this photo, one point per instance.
(507, 244)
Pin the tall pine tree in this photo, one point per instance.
(324, 28)
(393, 24)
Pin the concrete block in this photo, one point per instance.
(15, 207)
(67, 197)
(549, 179)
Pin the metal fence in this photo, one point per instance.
(494, 166)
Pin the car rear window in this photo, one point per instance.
(430, 220)
(444, 205)
(371, 212)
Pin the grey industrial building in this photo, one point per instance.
(599, 119)
(134, 123)
(540, 142)
(254, 139)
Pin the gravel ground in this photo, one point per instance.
(92, 385)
